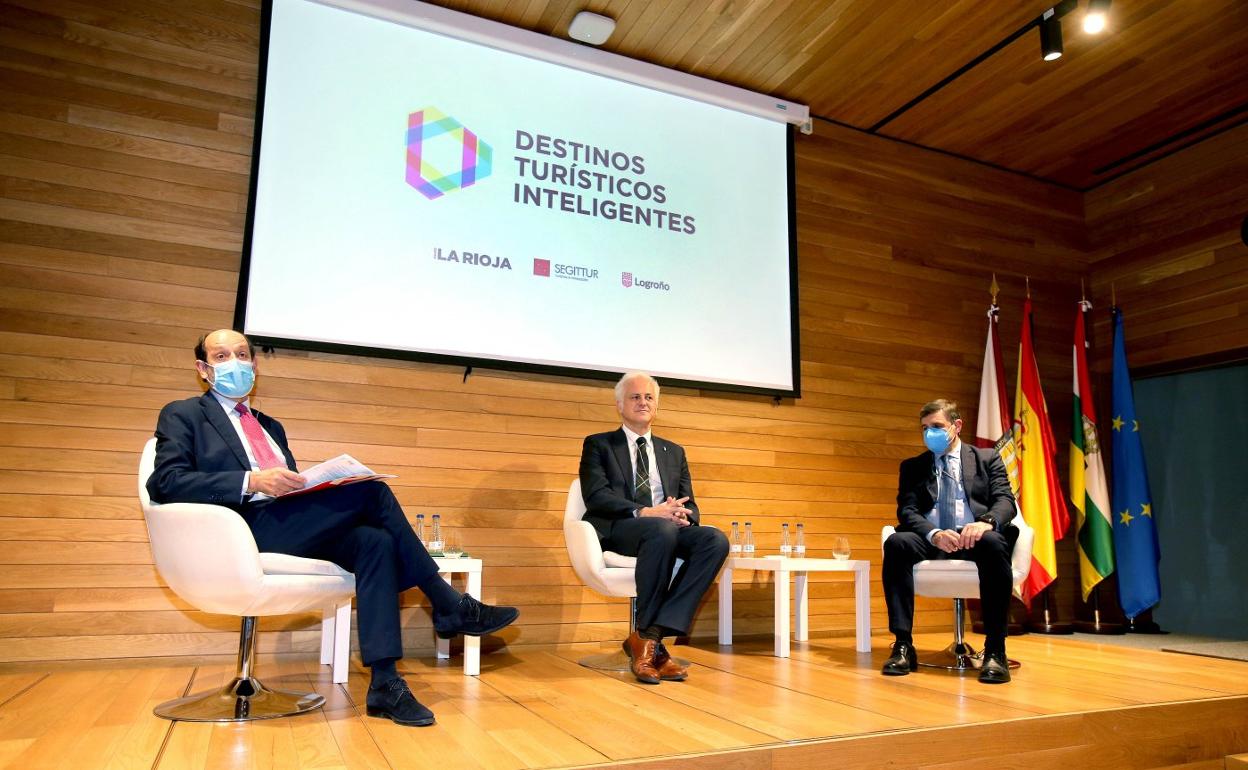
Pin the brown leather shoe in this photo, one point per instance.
(641, 658)
(669, 669)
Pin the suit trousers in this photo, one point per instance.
(662, 599)
(902, 550)
(361, 528)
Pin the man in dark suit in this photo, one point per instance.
(953, 502)
(216, 449)
(639, 497)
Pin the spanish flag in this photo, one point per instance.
(1040, 493)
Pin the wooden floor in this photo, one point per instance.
(826, 706)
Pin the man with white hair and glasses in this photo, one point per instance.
(639, 498)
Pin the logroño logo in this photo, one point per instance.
(428, 125)
(630, 281)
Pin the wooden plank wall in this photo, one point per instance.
(1166, 239)
(124, 154)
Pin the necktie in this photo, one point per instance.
(945, 497)
(641, 480)
(260, 448)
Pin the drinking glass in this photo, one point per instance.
(840, 547)
(452, 548)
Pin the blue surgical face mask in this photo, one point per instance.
(937, 440)
(234, 378)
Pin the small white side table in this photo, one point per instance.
(472, 644)
(783, 567)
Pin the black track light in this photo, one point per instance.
(1050, 36)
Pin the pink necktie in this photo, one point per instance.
(260, 448)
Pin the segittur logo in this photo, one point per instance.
(542, 267)
(430, 125)
(629, 282)
(465, 257)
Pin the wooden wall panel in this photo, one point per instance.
(1166, 241)
(123, 174)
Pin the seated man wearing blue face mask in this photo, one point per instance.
(953, 502)
(215, 449)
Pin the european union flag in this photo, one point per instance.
(1135, 533)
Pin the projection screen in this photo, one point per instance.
(422, 196)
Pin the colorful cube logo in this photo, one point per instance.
(432, 125)
(541, 267)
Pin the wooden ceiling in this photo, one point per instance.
(1166, 73)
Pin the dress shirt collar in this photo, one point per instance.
(228, 404)
(632, 437)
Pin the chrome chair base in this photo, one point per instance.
(606, 661)
(961, 658)
(241, 700)
(958, 656)
(618, 660)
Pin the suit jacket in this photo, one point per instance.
(984, 480)
(199, 457)
(607, 478)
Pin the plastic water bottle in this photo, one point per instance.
(785, 548)
(748, 549)
(800, 548)
(736, 539)
(435, 541)
(420, 530)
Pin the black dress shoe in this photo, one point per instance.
(903, 660)
(472, 618)
(995, 668)
(394, 701)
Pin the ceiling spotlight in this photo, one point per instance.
(1097, 17)
(1050, 36)
(591, 28)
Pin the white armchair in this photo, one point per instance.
(958, 579)
(208, 557)
(607, 572)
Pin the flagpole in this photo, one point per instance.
(993, 430)
(1048, 622)
(1041, 503)
(1088, 486)
(1096, 625)
(1135, 536)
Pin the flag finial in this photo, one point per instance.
(1027, 278)
(994, 289)
(1083, 294)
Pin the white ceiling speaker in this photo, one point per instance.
(591, 28)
